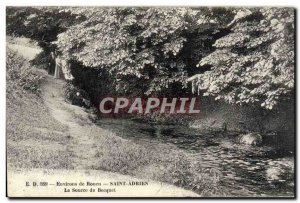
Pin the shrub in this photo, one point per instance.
(20, 73)
(43, 60)
(76, 96)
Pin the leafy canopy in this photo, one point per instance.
(239, 55)
(254, 63)
(146, 47)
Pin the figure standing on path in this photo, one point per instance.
(51, 65)
(57, 67)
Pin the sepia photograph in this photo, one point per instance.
(150, 102)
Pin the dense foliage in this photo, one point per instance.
(20, 74)
(240, 55)
(42, 24)
(255, 61)
(145, 50)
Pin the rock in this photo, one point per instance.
(273, 174)
(254, 139)
(280, 170)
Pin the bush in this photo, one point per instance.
(43, 60)
(76, 96)
(20, 73)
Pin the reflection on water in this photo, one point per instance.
(265, 170)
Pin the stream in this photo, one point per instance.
(265, 170)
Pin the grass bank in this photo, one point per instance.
(34, 138)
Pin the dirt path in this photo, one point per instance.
(74, 117)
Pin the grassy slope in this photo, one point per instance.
(34, 138)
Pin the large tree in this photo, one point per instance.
(145, 50)
(243, 55)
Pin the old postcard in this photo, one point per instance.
(152, 102)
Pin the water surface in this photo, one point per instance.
(263, 170)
